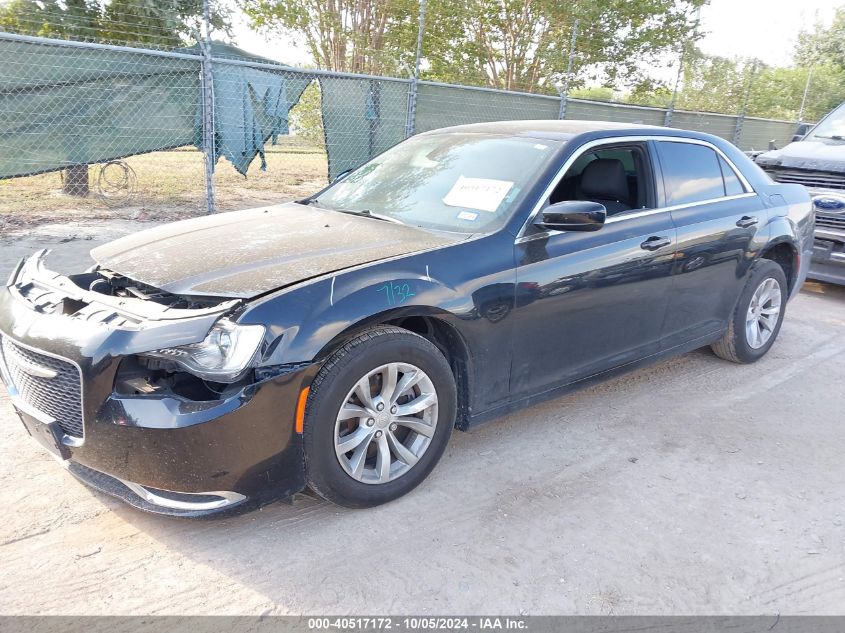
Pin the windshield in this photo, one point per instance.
(832, 126)
(468, 183)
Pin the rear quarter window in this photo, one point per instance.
(732, 184)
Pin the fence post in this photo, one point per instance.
(410, 118)
(208, 136)
(804, 97)
(564, 91)
(670, 112)
(740, 120)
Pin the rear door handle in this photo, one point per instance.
(747, 220)
(655, 242)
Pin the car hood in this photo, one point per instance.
(247, 253)
(821, 155)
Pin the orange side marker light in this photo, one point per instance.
(300, 409)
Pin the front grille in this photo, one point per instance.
(58, 396)
(830, 221)
(808, 178)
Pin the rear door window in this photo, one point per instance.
(691, 173)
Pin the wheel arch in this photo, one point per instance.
(785, 253)
(433, 325)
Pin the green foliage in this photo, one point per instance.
(595, 93)
(73, 19)
(510, 44)
(777, 92)
(824, 44)
(365, 36)
(306, 118)
(721, 84)
(650, 92)
(713, 84)
(150, 23)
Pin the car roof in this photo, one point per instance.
(552, 129)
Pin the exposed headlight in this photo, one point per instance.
(225, 354)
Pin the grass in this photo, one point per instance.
(168, 185)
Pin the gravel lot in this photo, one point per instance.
(694, 486)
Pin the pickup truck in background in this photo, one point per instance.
(817, 161)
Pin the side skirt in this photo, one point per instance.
(562, 390)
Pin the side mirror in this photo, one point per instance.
(573, 215)
(801, 131)
(342, 175)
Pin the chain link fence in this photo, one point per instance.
(89, 127)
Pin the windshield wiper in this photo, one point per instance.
(366, 213)
(369, 214)
(832, 137)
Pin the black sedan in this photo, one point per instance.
(335, 342)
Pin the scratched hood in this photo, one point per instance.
(820, 155)
(247, 253)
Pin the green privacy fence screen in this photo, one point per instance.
(441, 105)
(65, 104)
(361, 118)
(59, 109)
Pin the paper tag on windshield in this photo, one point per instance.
(483, 194)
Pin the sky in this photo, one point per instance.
(765, 29)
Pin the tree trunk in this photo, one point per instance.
(76, 181)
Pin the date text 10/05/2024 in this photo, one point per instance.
(424, 623)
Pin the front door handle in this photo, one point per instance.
(747, 220)
(655, 242)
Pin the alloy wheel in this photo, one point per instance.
(386, 423)
(763, 313)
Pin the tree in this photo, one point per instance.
(524, 44)
(711, 83)
(820, 55)
(306, 117)
(823, 45)
(153, 23)
(363, 36)
(510, 44)
(158, 24)
(593, 93)
(778, 92)
(72, 19)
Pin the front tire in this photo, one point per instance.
(379, 415)
(757, 317)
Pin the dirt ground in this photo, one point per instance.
(695, 486)
(166, 185)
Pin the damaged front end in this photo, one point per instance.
(150, 396)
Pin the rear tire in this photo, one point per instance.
(757, 317)
(395, 434)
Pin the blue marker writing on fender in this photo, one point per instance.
(395, 294)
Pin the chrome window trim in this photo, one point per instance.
(676, 207)
(615, 140)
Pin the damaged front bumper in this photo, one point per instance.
(61, 352)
